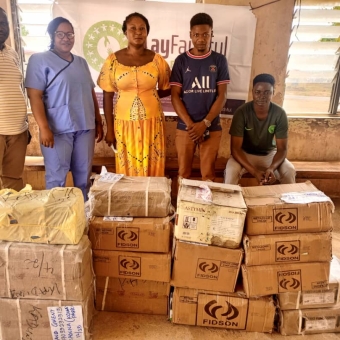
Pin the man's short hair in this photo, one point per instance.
(201, 19)
(264, 78)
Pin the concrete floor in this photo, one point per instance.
(123, 326)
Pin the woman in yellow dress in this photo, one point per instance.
(136, 127)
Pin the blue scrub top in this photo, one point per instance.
(68, 100)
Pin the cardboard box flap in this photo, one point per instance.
(211, 193)
(297, 193)
(212, 185)
(276, 190)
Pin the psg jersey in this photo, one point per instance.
(199, 76)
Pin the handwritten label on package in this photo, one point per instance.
(204, 193)
(304, 197)
(66, 322)
(117, 219)
(321, 324)
(110, 177)
(227, 227)
(318, 298)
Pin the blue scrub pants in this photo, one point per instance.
(73, 152)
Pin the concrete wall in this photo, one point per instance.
(272, 37)
(310, 139)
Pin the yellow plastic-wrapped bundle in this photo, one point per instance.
(53, 216)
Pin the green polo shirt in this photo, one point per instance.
(258, 135)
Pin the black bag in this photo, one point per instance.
(29, 136)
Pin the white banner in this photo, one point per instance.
(98, 23)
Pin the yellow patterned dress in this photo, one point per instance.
(138, 114)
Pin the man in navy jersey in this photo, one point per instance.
(198, 82)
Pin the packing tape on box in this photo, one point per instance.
(298, 300)
(19, 318)
(109, 191)
(63, 270)
(337, 278)
(147, 198)
(300, 321)
(7, 269)
(105, 291)
(109, 198)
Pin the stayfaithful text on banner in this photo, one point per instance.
(98, 29)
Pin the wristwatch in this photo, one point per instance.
(207, 122)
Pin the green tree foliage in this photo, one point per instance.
(333, 24)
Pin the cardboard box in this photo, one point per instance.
(140, 234)
(287, 248)
(141, 266)
(214, 214)
(310, 321)
(268, 212)
(231, 311)
(205, 267)
(132, 296)
(278, 278)
(46, 272)
(131, 196)
(29, 319)
(53, 216)
(314, 299)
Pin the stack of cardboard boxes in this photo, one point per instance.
(46, 290)
(207, 259)
(311, 312)
(288, 244)
(131, 251)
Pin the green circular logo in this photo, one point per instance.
(271, 129)
(98, 42)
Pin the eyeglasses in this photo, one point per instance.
(61, 35)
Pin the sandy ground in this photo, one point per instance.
(121, 326)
